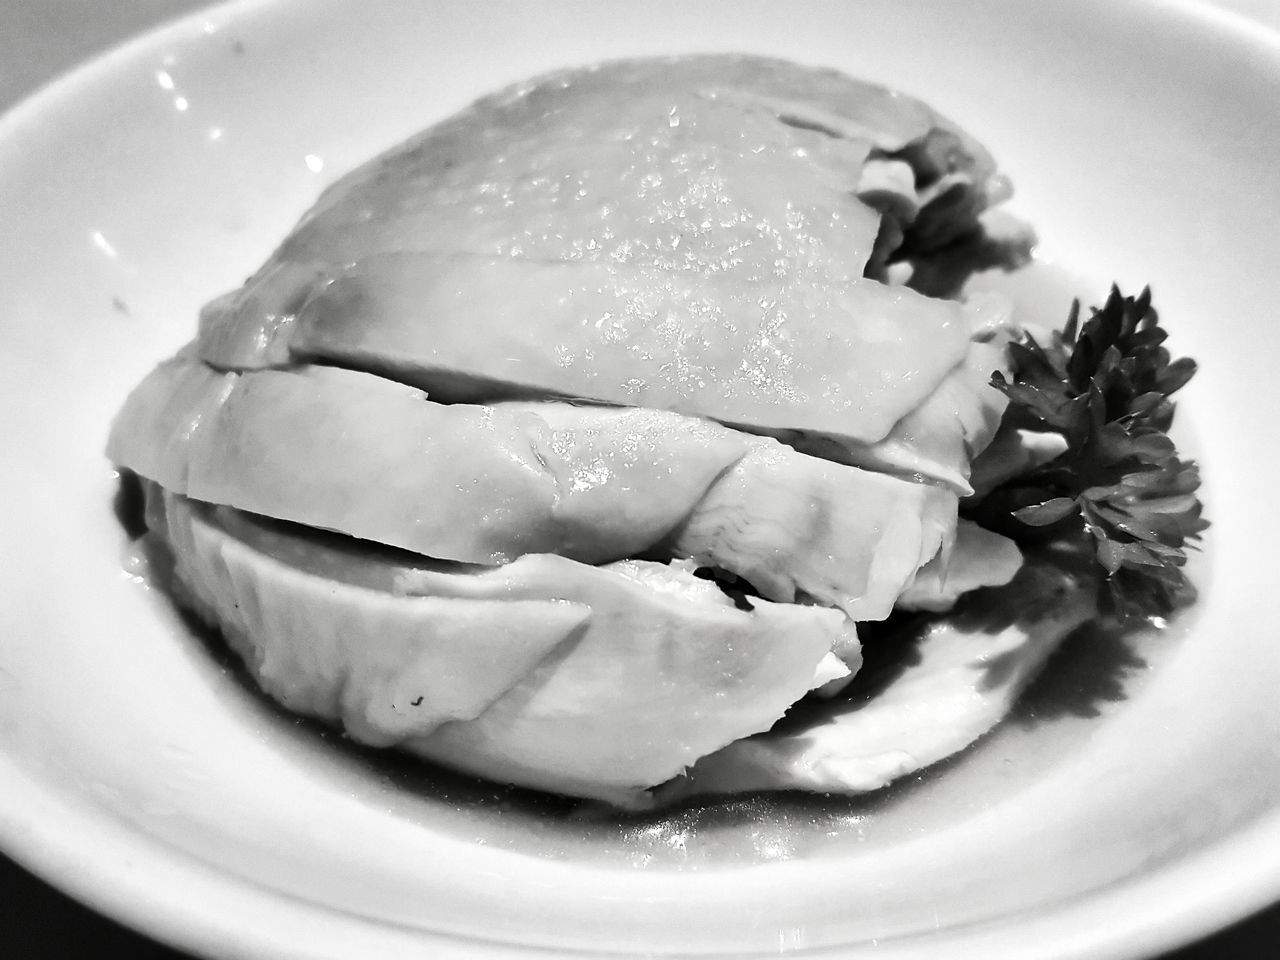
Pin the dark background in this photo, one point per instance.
(39, 923)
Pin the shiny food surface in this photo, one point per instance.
(347, 451)
(689, 234)
(599, 681)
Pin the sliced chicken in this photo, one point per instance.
(979, 558)
(962, 679)
(689, 234)
(371, 458)
(939, 439)
(593, 681)
(485, 460)
(848, 359)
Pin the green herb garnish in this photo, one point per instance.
(1119, 489)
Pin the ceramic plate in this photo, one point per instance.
(1130, 807)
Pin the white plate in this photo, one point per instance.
(137, 771)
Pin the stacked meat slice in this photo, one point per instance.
(567, 442)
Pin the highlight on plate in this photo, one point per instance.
(576, 440)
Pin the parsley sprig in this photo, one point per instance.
(1119, 489)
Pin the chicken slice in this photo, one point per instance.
(848, 359)
(591, 681)
(684, 233)
(628, 164)
(965, 674)
(374, 459)
(389, 666)
(939, 439)
(799, 527)
(979, 558)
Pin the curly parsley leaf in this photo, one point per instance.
(1119, 489)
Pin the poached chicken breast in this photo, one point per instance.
(568, 442)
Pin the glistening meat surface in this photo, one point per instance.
(688, 234)
(370, 458)
(599, 681)
(567, 442)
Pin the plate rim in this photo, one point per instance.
(1171, 919)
